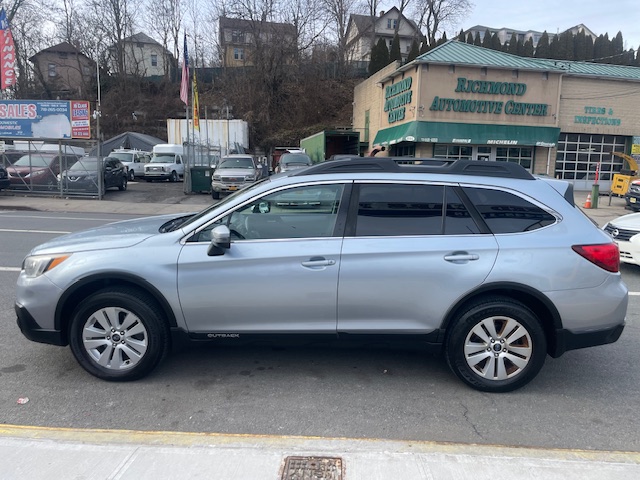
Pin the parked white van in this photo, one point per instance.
(167, 163)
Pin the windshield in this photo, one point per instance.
(163, 158)
(295, 158)
(35, 160)
(236, 163)
(85, 165)
(123, 157)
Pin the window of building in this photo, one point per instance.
(237, 36)
(63, 55)
(578, 156)
(154, 60)
(52, 69)
(520, 155)
(403, 150)
(453, 152)
(238, 53)
(392, 23)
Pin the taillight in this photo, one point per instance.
(605, 256)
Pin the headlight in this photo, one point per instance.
(216, 178)
(35, 173)
(250, 178)
(36, 265)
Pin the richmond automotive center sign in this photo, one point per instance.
(51, 119)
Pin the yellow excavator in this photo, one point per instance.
(622, 180)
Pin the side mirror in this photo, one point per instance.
(220, 241)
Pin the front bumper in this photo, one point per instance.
(30, 329)
(633, 200)
(228, 187)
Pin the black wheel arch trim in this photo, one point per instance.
(99, 282)
(532, 298)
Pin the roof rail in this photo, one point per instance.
(418, 165)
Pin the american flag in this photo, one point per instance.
(184, 86)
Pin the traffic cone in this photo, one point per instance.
(587, 203)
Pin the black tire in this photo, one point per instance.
(132, 175)
(215, 195)
(483, 356)
(148, 180)
(174, 176)
(123, 184)
(123, 328)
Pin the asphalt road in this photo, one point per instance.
(587, 399)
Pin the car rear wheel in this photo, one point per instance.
(496, 345)
(118, 335)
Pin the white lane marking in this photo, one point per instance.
(10, 230)
(92, 219)
(10, 269)
(634, 293)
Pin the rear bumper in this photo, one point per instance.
(567, 340)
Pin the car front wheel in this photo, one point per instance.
(123, 184)
(174, 177)
(118, 335)
(132, 175)
(496, 345)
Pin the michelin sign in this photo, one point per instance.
(50, 119)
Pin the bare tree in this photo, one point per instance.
(113, 21)
(164, 19)
(436, 16)
(339, 12)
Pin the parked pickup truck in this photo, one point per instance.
(167, 163)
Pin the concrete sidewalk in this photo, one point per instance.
(44, 453)
(52, 453)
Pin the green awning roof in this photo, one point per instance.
(468, 133)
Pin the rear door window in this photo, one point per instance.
(411, 209)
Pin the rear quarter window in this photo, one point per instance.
(505, 212)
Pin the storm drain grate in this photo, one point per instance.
(312, 468)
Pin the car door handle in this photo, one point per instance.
(315, 262)
(461, 257)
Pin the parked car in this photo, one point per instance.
(291, 161)
(4, 178)
(481, 261)
(39, 170)
(133, 160)
(83, 175)
(233, 173)
(625, 231)
(166, 163)
(632, 197)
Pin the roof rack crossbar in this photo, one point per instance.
(418, 165)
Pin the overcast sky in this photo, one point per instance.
(600, 17)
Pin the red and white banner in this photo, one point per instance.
(7, 53)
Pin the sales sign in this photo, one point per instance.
(50, 119)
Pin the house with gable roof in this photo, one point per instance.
(63, 72)
(364, 31)
(141, 56)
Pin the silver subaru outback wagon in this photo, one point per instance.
(481, 261)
